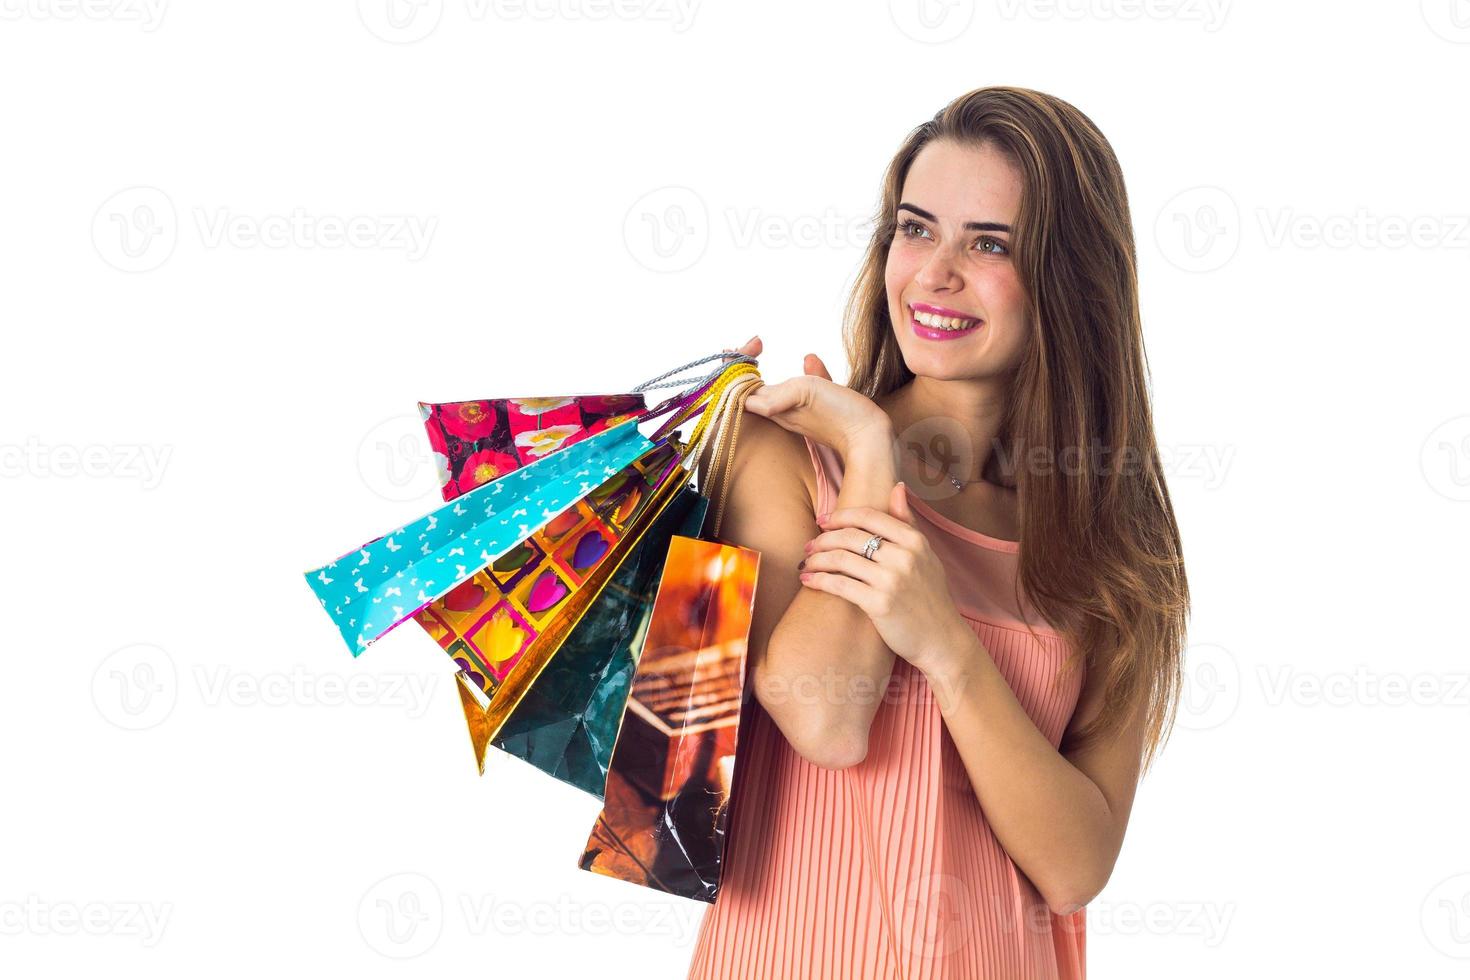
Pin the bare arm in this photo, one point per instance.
(1060, 816)
(818, 666)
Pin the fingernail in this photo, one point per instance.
(754, 336)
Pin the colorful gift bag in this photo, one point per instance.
(672, 774)
(476, 442)
(369, 591)
(567, 722)
(503, 625)
(506, 624)
(671, 778)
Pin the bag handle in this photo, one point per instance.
(719, 431)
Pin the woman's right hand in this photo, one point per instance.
(813, 405)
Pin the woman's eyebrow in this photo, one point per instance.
(969, 225)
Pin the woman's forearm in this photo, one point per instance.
(1050, 817)
(826, 668)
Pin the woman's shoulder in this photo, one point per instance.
(769, 456)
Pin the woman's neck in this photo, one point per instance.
(951, 425)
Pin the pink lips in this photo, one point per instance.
(930, 333)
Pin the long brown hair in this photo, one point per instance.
(1100, 552)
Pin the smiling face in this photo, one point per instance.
(949, 265)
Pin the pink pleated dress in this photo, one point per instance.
(889, 869)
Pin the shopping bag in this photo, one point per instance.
(476, 442)
(504, 625)
(369, 591)
(567, 722)
(672, 773)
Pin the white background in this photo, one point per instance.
(177, 742)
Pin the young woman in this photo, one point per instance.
(972, 604)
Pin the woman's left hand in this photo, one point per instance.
(902, 588)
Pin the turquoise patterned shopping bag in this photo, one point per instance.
(369, 591)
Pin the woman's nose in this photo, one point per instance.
(940, 270)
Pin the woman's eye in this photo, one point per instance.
(995, 246)
(909, 226)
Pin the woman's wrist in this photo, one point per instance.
(872, 445)
(869, 472)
